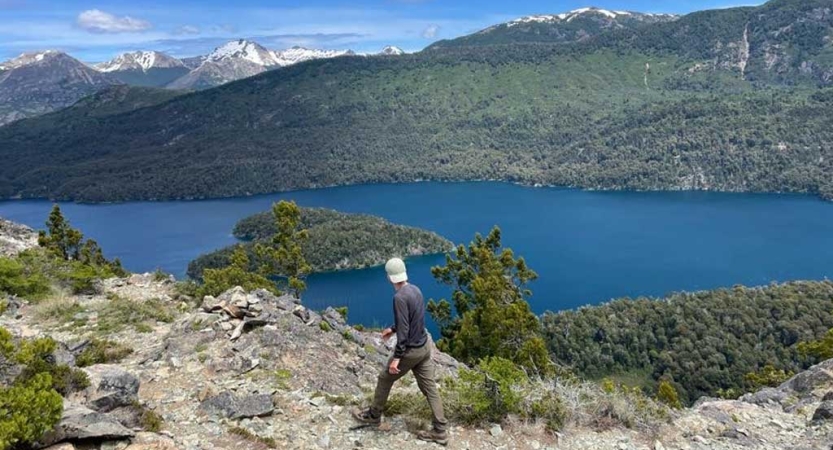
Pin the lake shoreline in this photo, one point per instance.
(531, 185)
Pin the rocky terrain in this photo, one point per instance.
(252, 371)
(14, 238)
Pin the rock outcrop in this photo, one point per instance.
(14, 238)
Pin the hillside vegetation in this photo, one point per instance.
(705, 343)
(734, 99)
(336, 241)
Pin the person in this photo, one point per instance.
(412, 353)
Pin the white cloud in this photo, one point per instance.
(97, 21)
(187, 29)
(430, 32)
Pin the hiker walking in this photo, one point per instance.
(412, 353)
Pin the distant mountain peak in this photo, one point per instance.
(243, 49)
(392, 50)
(139, 60)
(576, 13)
(29, 58)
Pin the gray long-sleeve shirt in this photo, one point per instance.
(409, 319)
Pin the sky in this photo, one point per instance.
(98, 30)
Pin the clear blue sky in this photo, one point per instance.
(96, 30)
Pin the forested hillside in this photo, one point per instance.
(336, 241)
(705, 343)
(728, 100)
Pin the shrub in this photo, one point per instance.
(343, 311)
(821, 349)
(490, 392)
(769, 376)
(36, 357)
(28, 409)
(217, 281)
(668, 395)
(324, 326)
(101, 351)
(549, 408)
(16, 280)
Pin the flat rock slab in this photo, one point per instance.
(80, 423)
(233, 406)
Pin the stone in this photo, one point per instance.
(496, 431)
(62, 446)
(324, 442)
(318, 401)
(811, 379)
(658, 446)
(210, 304)
(827, 397)
(110, 387)
(233, 407)
(80, 423)
(824, 413)
(765, 396)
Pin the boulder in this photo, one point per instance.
(765, 396)
(80, 423)
(233, 406)
(818, 376)
(110, 387)
(824, 413)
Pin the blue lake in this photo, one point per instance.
(587, 247)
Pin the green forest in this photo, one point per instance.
(704, 343)
(337, 241)
(660, 106)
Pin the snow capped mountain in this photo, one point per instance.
(41, 82)
(243, 50)
(572, 26)
(581, 12)
(295, 55)
(392, 50)
(26, 59)
(142, 60)
(243, 58)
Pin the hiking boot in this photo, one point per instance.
(367, 417)
(438, 437)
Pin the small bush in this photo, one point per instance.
(217, 281)
(36, 357)
(160, 276)
(28, 409)
(16, 280)
(342, 310)
(490, 392)
(151, 421)
(549, 408)
(251, 437)
(324, 326)
(668, 395)
(101, 351)
(821, 349)
(769, 376)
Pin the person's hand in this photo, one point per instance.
(386, 334)
(393, 369)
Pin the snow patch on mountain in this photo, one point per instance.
(295, 55)
(243, 49)
(141, 60)
(26, 59)
(576, 13)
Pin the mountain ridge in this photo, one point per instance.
(664, 106)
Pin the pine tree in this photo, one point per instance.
(282, 255)
(489, 315)
(62, 240)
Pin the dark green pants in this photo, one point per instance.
(420, 362)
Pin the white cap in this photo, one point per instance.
(395, 268)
